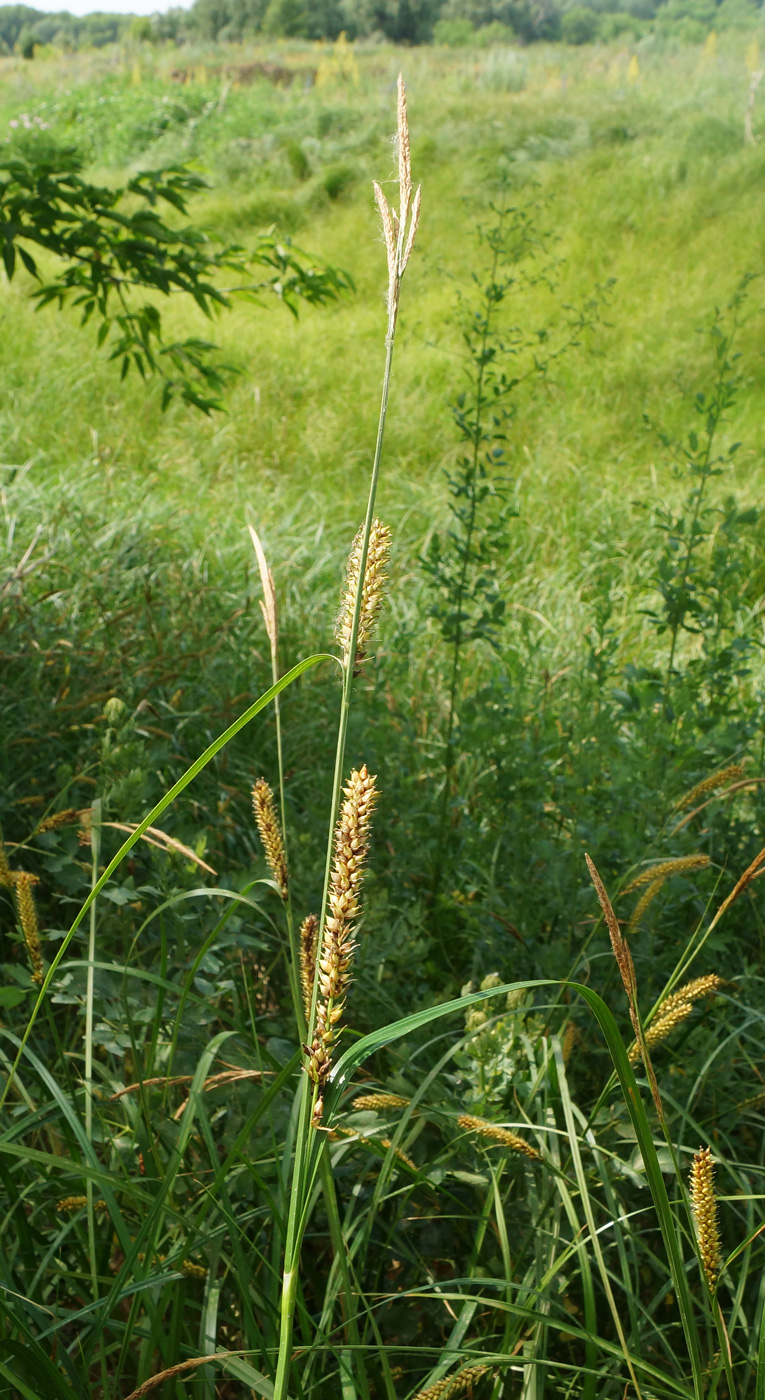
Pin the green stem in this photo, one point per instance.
(95, 848)
(296, 1218)
(462, 585)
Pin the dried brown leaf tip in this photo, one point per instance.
(23, 884)
(503, 1136)
(309, 934)
(704, 1207)
(264, 808)
(454, 1387)
(372, 594)
(351, 847)
(399, 227)
(675, 1009)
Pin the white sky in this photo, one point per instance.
(121, 7)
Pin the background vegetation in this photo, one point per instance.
(572, 644)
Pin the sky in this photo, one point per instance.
(121, 7)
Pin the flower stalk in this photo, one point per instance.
(399, 233)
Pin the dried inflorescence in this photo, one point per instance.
(380, 1102)
(399, 227)
(309, 934)
(371, 594)
(264, 808)
(704, 1208)
(711, 784)
(675, 1009)
(497, 1134)
(451, 1387)
(351, 846)
(23, 884)
(58, 819)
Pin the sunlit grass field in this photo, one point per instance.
(645, 183)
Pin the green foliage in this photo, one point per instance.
(579, 25)
(109, 251)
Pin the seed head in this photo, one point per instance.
(497, 1134)
(379, 1102)
(309, 932)
(268, 601)
(351, 846)
(711, 784)
(192, 1270)
(59, 819)
(399, 229)
(264, 807)
(6, 874)
(675, 1009)
(679, 865)
(372, 592)
(25, 903)
(644, 903)
(704, 1208)
(72, 1203)
(451, 1387)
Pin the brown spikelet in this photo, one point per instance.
(25, 902)
(704, 1208)
(351, 846)
(497, 1134)
(570, 1037)
(452, 1387)
(59, 819)
(710, 784)
(6, 874)
(678, 865)
(264, 808)
(749, 874)
(675, 1009)
(618, 942)
(309, 933)
(372, 593)
(644, 903)
(379, 1102)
